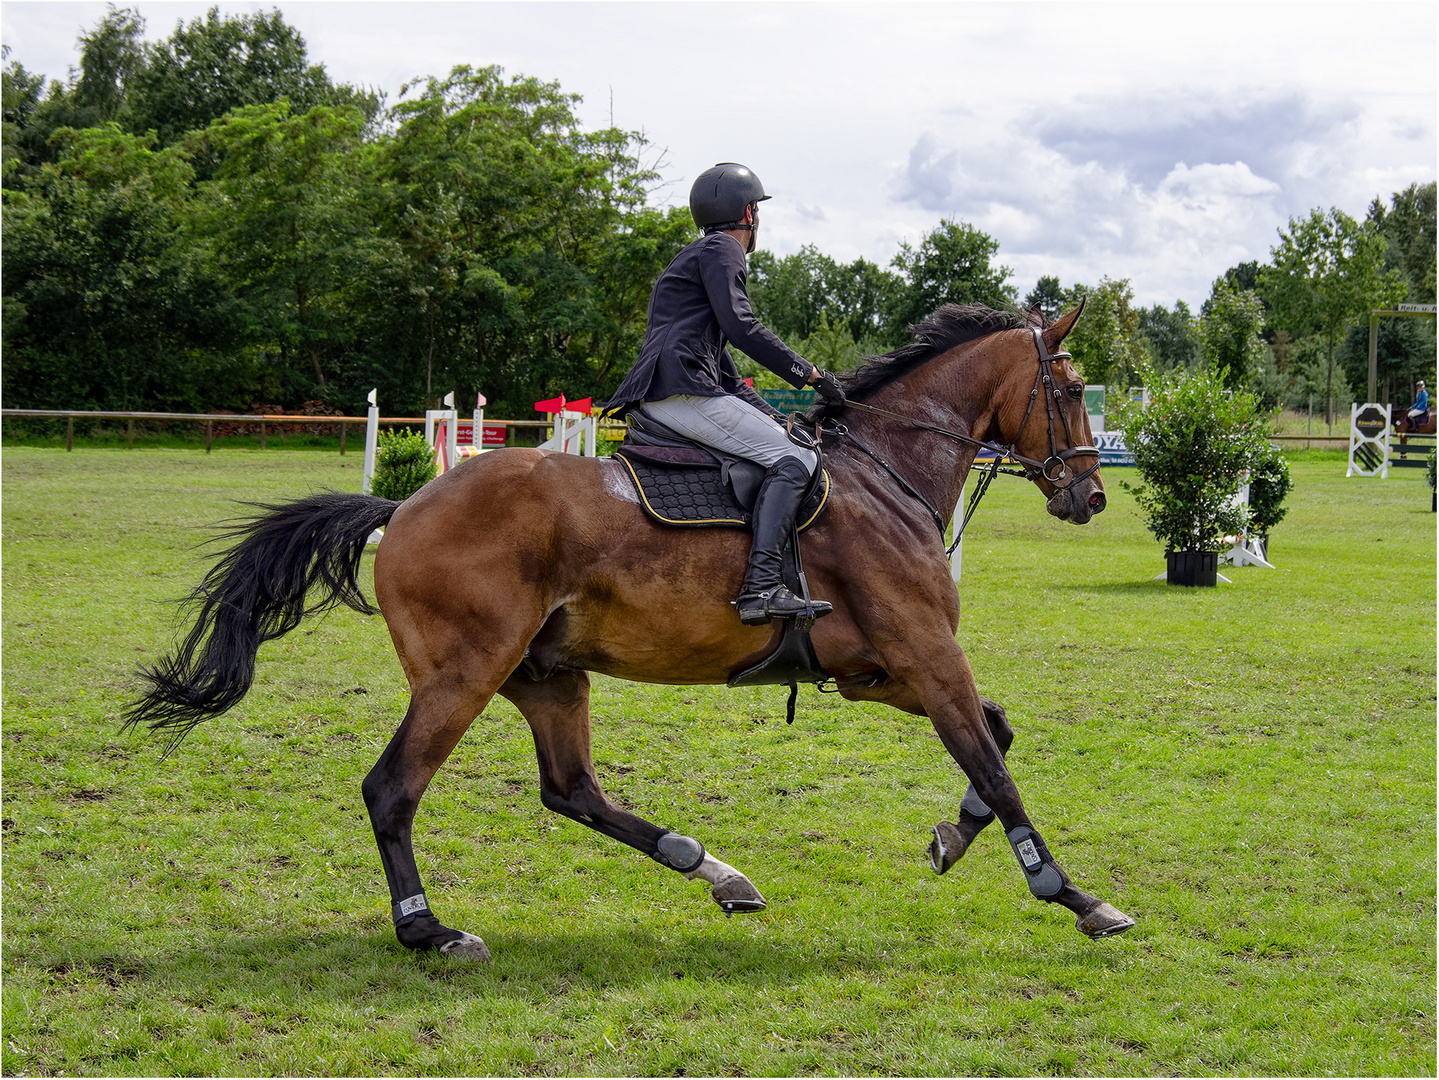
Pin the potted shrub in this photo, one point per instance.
(404, 463)
(1269, 485)
(1194, 443)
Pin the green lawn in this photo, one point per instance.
(1249, 771)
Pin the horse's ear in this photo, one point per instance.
(1061, 327)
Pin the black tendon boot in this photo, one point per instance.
(762, 595)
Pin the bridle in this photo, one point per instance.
(1053, 469)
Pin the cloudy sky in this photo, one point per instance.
(1160, 142)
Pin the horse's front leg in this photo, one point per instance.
(952, 839)
(945, 687)
(557, 709)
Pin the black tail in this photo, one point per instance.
(254, 593)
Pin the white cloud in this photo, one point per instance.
(1089, 139)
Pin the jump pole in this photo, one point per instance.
(372, 441)
(449, 418)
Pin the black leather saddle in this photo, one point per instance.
(682, 483)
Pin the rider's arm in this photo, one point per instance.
(731, 383)
(723, 273)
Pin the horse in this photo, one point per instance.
(570, 577)
(1406, 425)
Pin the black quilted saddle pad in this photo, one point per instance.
(683, 486)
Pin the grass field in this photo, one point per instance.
(1249, 771)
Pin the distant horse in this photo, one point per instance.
(569, 576)
(1406, 425)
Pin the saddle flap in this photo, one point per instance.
(694, 457)
(678, 491)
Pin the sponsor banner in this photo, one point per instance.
(493, 434)
(1112, 450)
(789, 401)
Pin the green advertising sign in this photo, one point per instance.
(788, 401)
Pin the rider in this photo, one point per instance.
(1420, 408)
(686, 379)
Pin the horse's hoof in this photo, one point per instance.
(736, 896)
(1104, 921)
(947, 847)
(466, 947)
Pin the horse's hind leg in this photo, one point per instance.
(557, 708)
(951, 840)
(440, 712)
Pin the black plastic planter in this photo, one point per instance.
(1193, 568)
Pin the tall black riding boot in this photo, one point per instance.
(762, 595)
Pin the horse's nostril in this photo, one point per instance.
(1096, 501)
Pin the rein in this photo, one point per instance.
(1053, 468)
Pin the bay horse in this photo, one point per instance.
(1406, 425)
(569, 577)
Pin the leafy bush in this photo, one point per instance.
(1193, 444)
(1269, 484)
(1429, 469)
(404, 463)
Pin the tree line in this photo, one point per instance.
(1293, 329)
(210, 222)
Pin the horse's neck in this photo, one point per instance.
(954, 393)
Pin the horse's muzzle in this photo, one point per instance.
(1077, 503)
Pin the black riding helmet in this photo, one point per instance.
(719, 196)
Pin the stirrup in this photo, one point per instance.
(756, 609)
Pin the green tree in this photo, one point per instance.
(951, 265)
(111, 56)
(22, 94)
(797, 295)
(1106, 344)
(1230, 337)
(107, 304)
(1048, 296)
(531, 252)
(214, 65)
(1172, 337)
(1328, 271)
(1404, 353)
(792, 295)
(282, 219)
(1409, 229)
(863, 293)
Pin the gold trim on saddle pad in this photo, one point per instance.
(740, 523)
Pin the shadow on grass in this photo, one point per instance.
(1118, 588)
(343, 967)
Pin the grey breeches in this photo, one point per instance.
(730, 424)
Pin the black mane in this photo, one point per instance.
(948, 326)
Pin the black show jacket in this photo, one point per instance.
(698, 304)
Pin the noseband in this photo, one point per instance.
(1053, 469)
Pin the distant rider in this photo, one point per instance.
(686, 379)
(1420, 409)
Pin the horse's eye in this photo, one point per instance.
(1075, 392)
